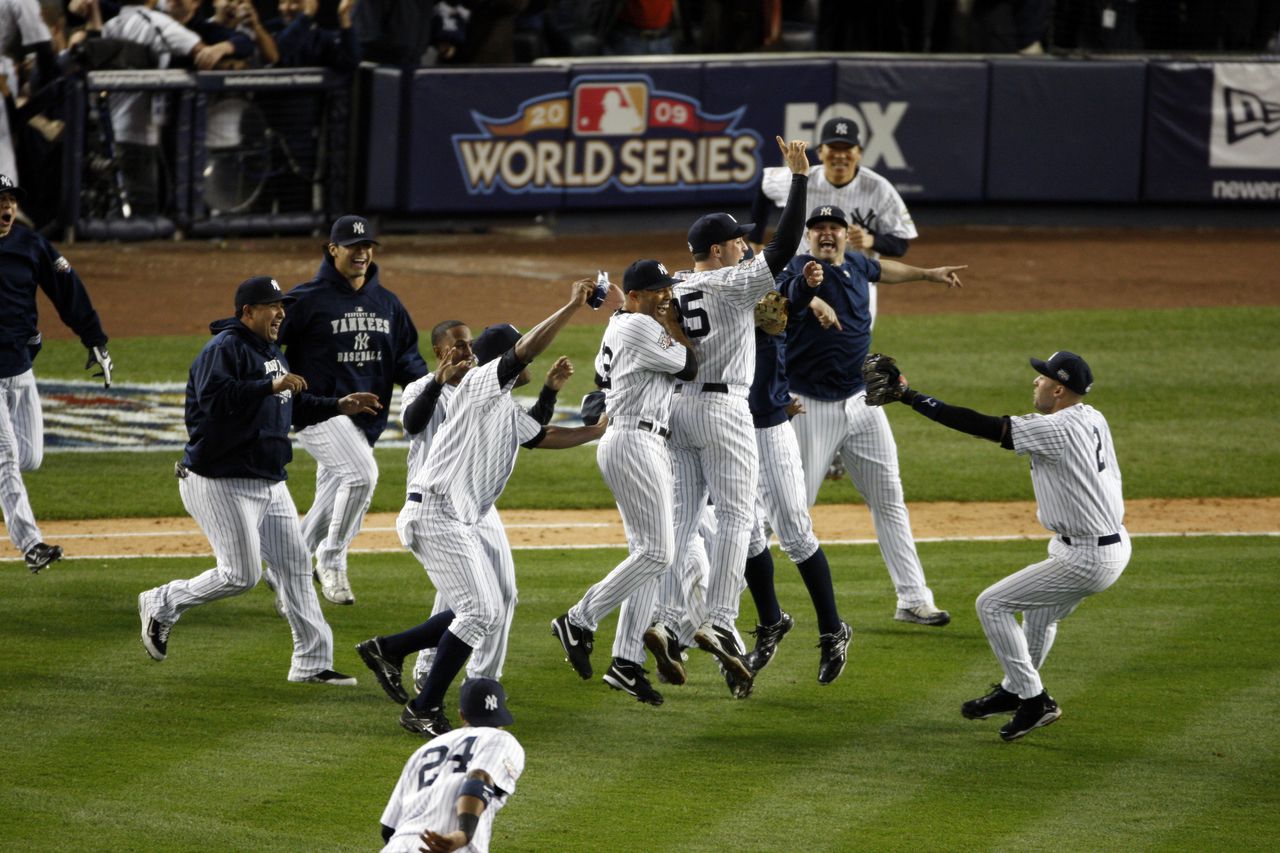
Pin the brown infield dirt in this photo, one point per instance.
(520, 275)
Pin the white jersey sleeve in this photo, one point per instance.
(638, 360)
(22, 24)
(426, 794)
(1074, 471)
(420, 443)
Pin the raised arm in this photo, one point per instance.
(537, 339)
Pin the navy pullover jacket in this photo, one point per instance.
(343, 340)
(770, 391)
(28, 260)
(826, 364)
(236, 427)
(303, 43)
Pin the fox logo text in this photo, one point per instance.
(608, 132)
(877, 123)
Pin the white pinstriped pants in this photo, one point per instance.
(636, 466)
(454, 557)
(489, 657)
(21, 449)
(861, 435)
(247, 520)
(346, 475)
(713, 451)
(1045, 593)
(781, 505)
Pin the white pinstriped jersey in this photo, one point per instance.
(717, 311)
(870, 200)
(20, 25)
(474, 453)
(426, 795)
(420, 444)
(1073, 470)
(638, 359)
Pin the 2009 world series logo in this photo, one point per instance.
(611, 131)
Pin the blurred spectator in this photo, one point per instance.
(477, 32)
(235, 23)
(76, 12)
(394, 32)
(303, 42)
(642, 27)
(738, 26)
(1002, 26)
(22, 31)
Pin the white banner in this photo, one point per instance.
(1246, 116)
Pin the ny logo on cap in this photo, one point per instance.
(275, 284)
(826, 211)
(663, 269)
(357, 227)
(842, 129)
(6, 181)
(491, 702)
(1063, 375)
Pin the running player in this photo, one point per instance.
(713, 445)
(240, 398)
(1079, 499)
(643, 352)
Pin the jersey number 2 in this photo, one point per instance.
(1102, 466)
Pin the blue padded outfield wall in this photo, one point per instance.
(597, 135)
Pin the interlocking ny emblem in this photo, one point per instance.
(826, 211)
(362, 341)
(842, 128)
(357, 227)
(491, 702)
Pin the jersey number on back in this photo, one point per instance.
(692, 315)
(606, 362)
(1102, 466)
(438, 755)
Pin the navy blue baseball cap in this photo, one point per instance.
(826, 213)
(839, 130)
(1068, 368)
(8, 186)
(259, 290)
(646, 274)
(483, 702)
(715, 228)
(349, 230)
(494, 341)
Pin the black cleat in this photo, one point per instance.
(388, 672)
(667, 656)
(41, 555)
(998, 701)
(431, 723)
(721, 643)
(835, 651)
(630, 678)
(740, 687)
(767, 639)
(577, 643)
(1031, 714)
(923, 614)
(329, 676)
(155, 634)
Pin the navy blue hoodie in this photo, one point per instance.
(770, 392)
(343, 340)
(236, 426)
(28, 260)
(826, 364)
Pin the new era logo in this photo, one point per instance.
(1248, 115)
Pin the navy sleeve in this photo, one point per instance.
(218, 387)
(782, 248)
(543, 410)
(509, 367)
(68, 294)
(314, 409)
(761, 210)
(888, 244)
(958, 418)
(690, 370)
(418, 414)
(291, 40)
(345, 53)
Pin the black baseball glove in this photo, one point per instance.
(883, 379)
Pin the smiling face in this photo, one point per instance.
(839, 162)
(649, 301)
(353, 261)
(8, 212)
(827, 240)
(264, 320)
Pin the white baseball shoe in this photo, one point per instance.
(923, 614)
(334, 585)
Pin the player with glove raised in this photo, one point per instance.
(1079, 498)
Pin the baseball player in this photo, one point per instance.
(880, 222)
(781, 506)
(713, 446)
(241, 396)
(346, 333)
(424, 408)
(22, 31)
(453, 786)
(28, 261)
(470, 461)
(1078, 498)
(822, 365)
(643, 352)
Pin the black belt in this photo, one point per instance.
(1111, 539)
(415, 497)
(650, 426)
(714, 387)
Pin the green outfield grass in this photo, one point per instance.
(1180, 431)
(1168, 683)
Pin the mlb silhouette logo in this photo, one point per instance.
(610, 109)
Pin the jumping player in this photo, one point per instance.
(1079, 499)
(346, 333)
(713, 446)
(470, 461)
(28, 261)
(643, 352)
(452, 787)
(241, 396)
(823, 368)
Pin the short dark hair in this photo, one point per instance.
(439, 330)
(701, 256)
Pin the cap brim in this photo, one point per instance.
(354, 240)
(839, 140)
(500, 717)
(809, 223)
(1042, 367)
